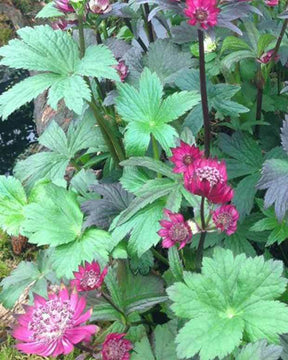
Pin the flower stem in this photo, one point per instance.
(199, 254)
(84, 348)
(148, 23)
(207, 137)
(110, 138)
(159, 256)
(204, 98)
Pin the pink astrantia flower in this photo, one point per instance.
(63, 5)
(122, 70)
(89, 277)
(51, 327)
(208, 177)
(116, 348)
(225, 218)
(184, 155)
(266, 57)
(271, 2)
(62, 24)
(202, 12)
(99, 6)
(175, 231)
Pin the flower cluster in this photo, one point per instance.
(203, 13)
(271, 3)
(115, 347)
(89, 277)
(206, 178)
(94, 6)
(267, 57)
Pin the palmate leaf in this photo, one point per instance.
(12, 202)
(56, 54)
(147, 114)
(49, 11)
(54, 219)
(82, 134)
(274, 178)
(260, 351)
(27, 274)
(232, 296)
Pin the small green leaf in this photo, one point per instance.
(49, 11)
(260, 351)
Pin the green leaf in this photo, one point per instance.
(151, 164)
(12, 201)
(133, 178)
(49, 11)
(82, 134)
(260, 351)
(24, 92)
(93, 244)
(56, 54)
(235, 57)
(275, 179)
(175, 263)
(232, 296)
(55, 221)
(142, 350)
(27, 275)
(147, 114)
(164, 341)
(166, 59)
(263, 42)
(232, 43)
(150, 192)
(103, 67)
(143, 264)
(142, 227)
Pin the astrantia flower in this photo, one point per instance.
(225, 218)
(116, 348)
(51, 327)
(62, 24)
(63, 5)
(184, 155)
(266, 57)
(271, 2)
(208, 177)
(89, 277)
(175, 231)
(202, 12)
(122, 70)
(99, 6)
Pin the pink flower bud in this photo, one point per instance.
(99, 6)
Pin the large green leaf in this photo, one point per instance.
(56, 54)
(232, 296)
(54, 219)
(12, 201)
(147, 113)
(92, 244)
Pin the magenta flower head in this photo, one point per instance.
(99, 6)
(203, 13)
(51, 327)
(122, 70)
(116, 348)
(175, 231)
(271, 2)
(225, 218)
(266, 57)
(208, 177)
(63, 5)
(89, 277)
(184, 155)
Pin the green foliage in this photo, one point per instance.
(233, 296)
(219, 98)
(260, 351)
(147, 113)
(54, 218)
(28, 276)
(56, 54)
(279, 230)
(12, 201)
(82, 134)
(163, 345)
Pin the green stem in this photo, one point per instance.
(111, 140)
(155, 148)
(200, 250)
(109, 300)
(159, 256)
(105, 32)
